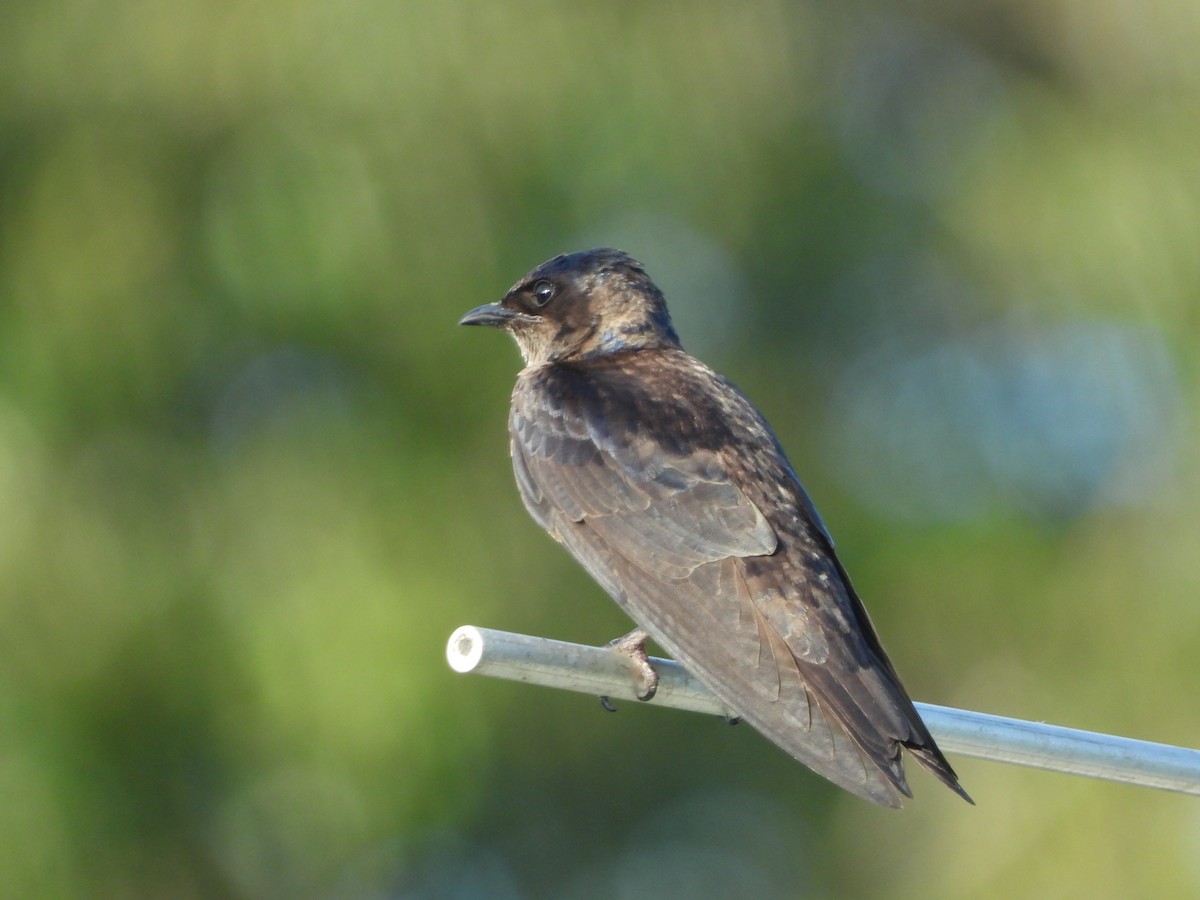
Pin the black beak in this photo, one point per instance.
(492, 314)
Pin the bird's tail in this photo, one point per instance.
(931, 758)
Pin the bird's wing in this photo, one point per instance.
(672, 538)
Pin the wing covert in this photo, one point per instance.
(667, 511)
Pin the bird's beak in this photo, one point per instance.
(492, 314)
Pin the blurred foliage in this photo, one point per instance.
(252, 476)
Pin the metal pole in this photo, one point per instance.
(600, 672)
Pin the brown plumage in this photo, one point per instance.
(667, 485)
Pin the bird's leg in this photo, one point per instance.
(633, 645)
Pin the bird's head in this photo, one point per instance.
(580, 306)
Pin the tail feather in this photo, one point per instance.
(932, 760)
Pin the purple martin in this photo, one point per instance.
(672, 491)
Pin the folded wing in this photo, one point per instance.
(760, 613)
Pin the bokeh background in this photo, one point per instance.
(252, 475)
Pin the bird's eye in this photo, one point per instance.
(543, 292)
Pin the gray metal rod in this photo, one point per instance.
(601, 672)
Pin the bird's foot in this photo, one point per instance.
(633, 646)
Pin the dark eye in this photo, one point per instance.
(543, 292)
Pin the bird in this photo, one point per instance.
(671, 490)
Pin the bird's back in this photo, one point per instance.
(674, 494)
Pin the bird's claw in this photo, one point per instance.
(633, 646)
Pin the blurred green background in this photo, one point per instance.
(252, 475)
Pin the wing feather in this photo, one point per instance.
(760, 613)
